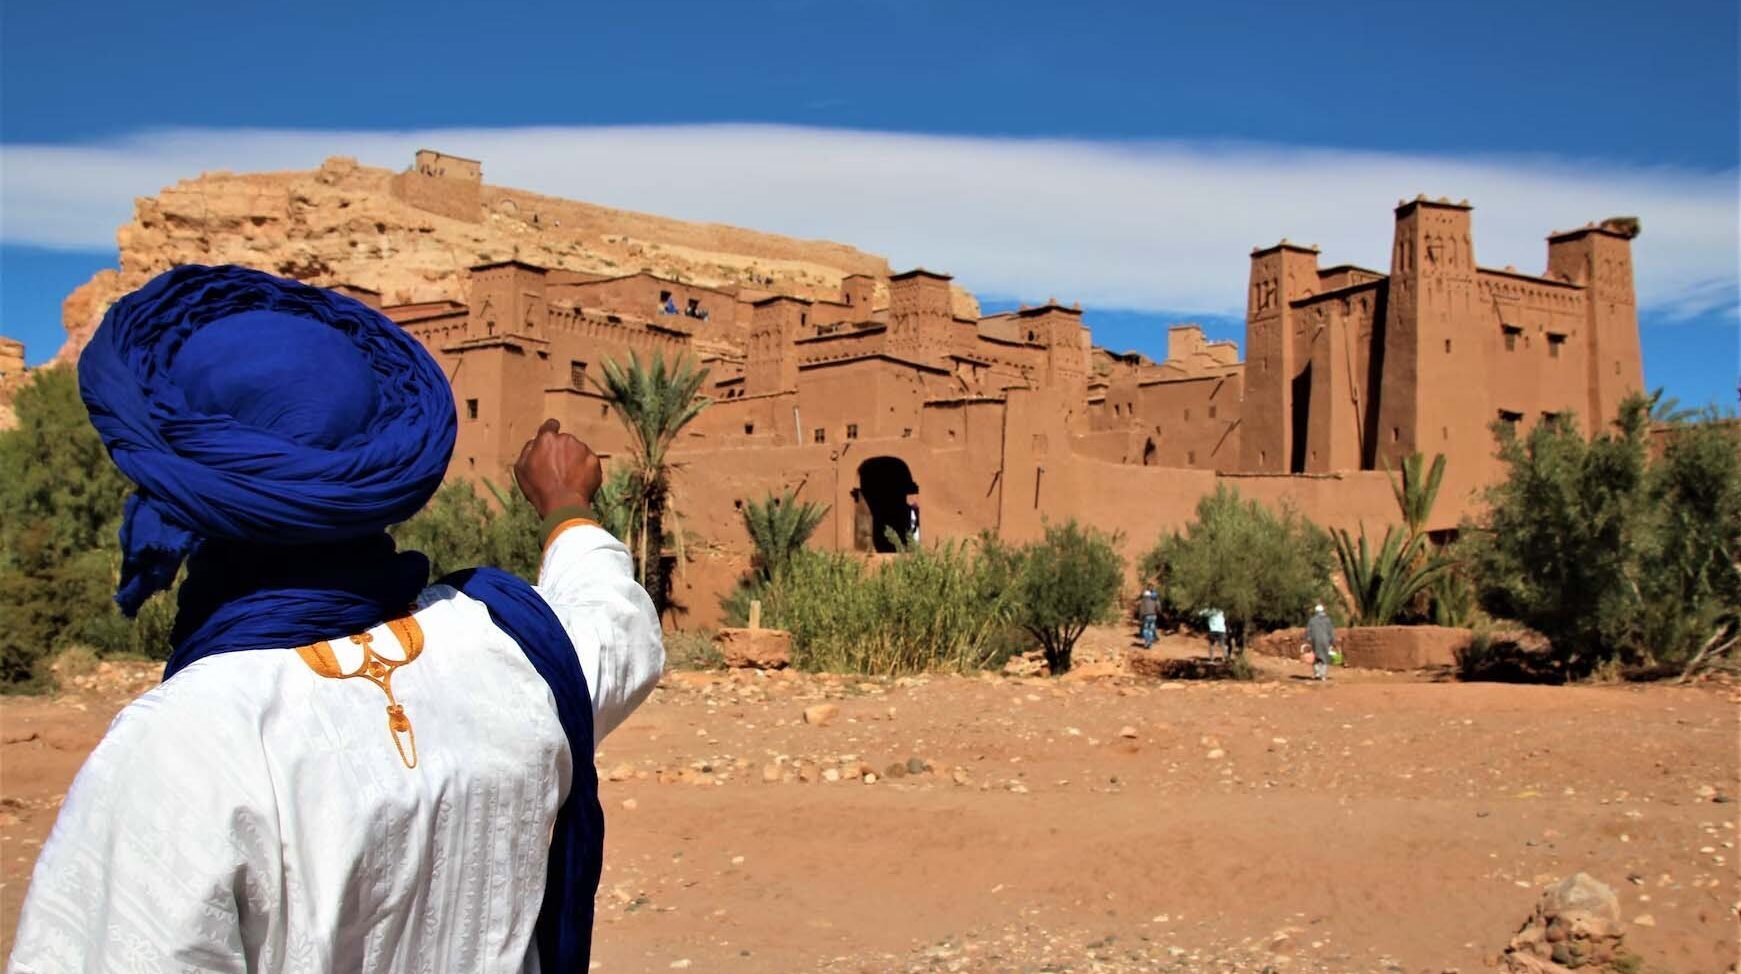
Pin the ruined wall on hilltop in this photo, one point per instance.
(410, 235)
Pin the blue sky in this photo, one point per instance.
(1098, 125)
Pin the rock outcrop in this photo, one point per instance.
(410, 236)
(1575, 927)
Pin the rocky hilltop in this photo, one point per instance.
(410, 235)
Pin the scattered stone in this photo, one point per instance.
(770, 773)
(896, 770)
(915, 765)
(629, 804)
(821, 714)
(622, 772)
(1127, 731)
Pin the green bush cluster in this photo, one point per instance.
(1617, 556)
(953, 606)
(1263, 568)
(461, 529)
(930, 608)
(60, 518)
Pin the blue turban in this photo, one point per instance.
(274, 431)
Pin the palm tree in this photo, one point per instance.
(1666, 410)
(779, 526)
(1415, 493)
(655, 400)
(1381, 584)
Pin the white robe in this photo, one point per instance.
(250, 815)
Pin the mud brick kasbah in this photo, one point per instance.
(865, 387)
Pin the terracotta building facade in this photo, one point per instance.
(884, 397)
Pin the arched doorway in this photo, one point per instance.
(884, 484)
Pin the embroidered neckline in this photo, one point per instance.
(378, 670)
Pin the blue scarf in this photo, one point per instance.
(273, 432)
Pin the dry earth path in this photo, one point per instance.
(1106, 824)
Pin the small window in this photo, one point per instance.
(1396, 434)
(694, 308)
(803, 318)
(1187, 414)
(1554, 343)
(1190, 456)
(664, 296)
(852, 431)
(907, 432)
(1447, 346)
(1510, 418)
(1511, 333)
(471, 409)
(821, 435)
(749, 429)
(1211, 412)
(1444, 432)
(576, 374)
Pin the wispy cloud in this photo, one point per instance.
(1143, 225)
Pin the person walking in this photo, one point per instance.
(255, 811)
(1148, 609)
(1218, 635)
(1321, 633)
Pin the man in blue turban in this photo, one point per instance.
(346, 767)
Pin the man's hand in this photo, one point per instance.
(556, 470)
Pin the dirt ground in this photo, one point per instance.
(1102, 823)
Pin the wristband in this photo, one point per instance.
(562, 518)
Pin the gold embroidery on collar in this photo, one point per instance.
(379, 671)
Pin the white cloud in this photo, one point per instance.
(1150, 225)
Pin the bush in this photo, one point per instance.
(1062, 584)
(1501, 658)
(1260, 567)
(1614, 557)
(934, 608)
(459, 529)
(60, 514)
(692, 649)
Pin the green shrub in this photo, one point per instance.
(459, 529)
(60, 515)
(1062, 584)
(1613, 556)
(692, 649)
(1260, 567)
(930, 608)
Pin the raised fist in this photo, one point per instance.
(556, 470)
